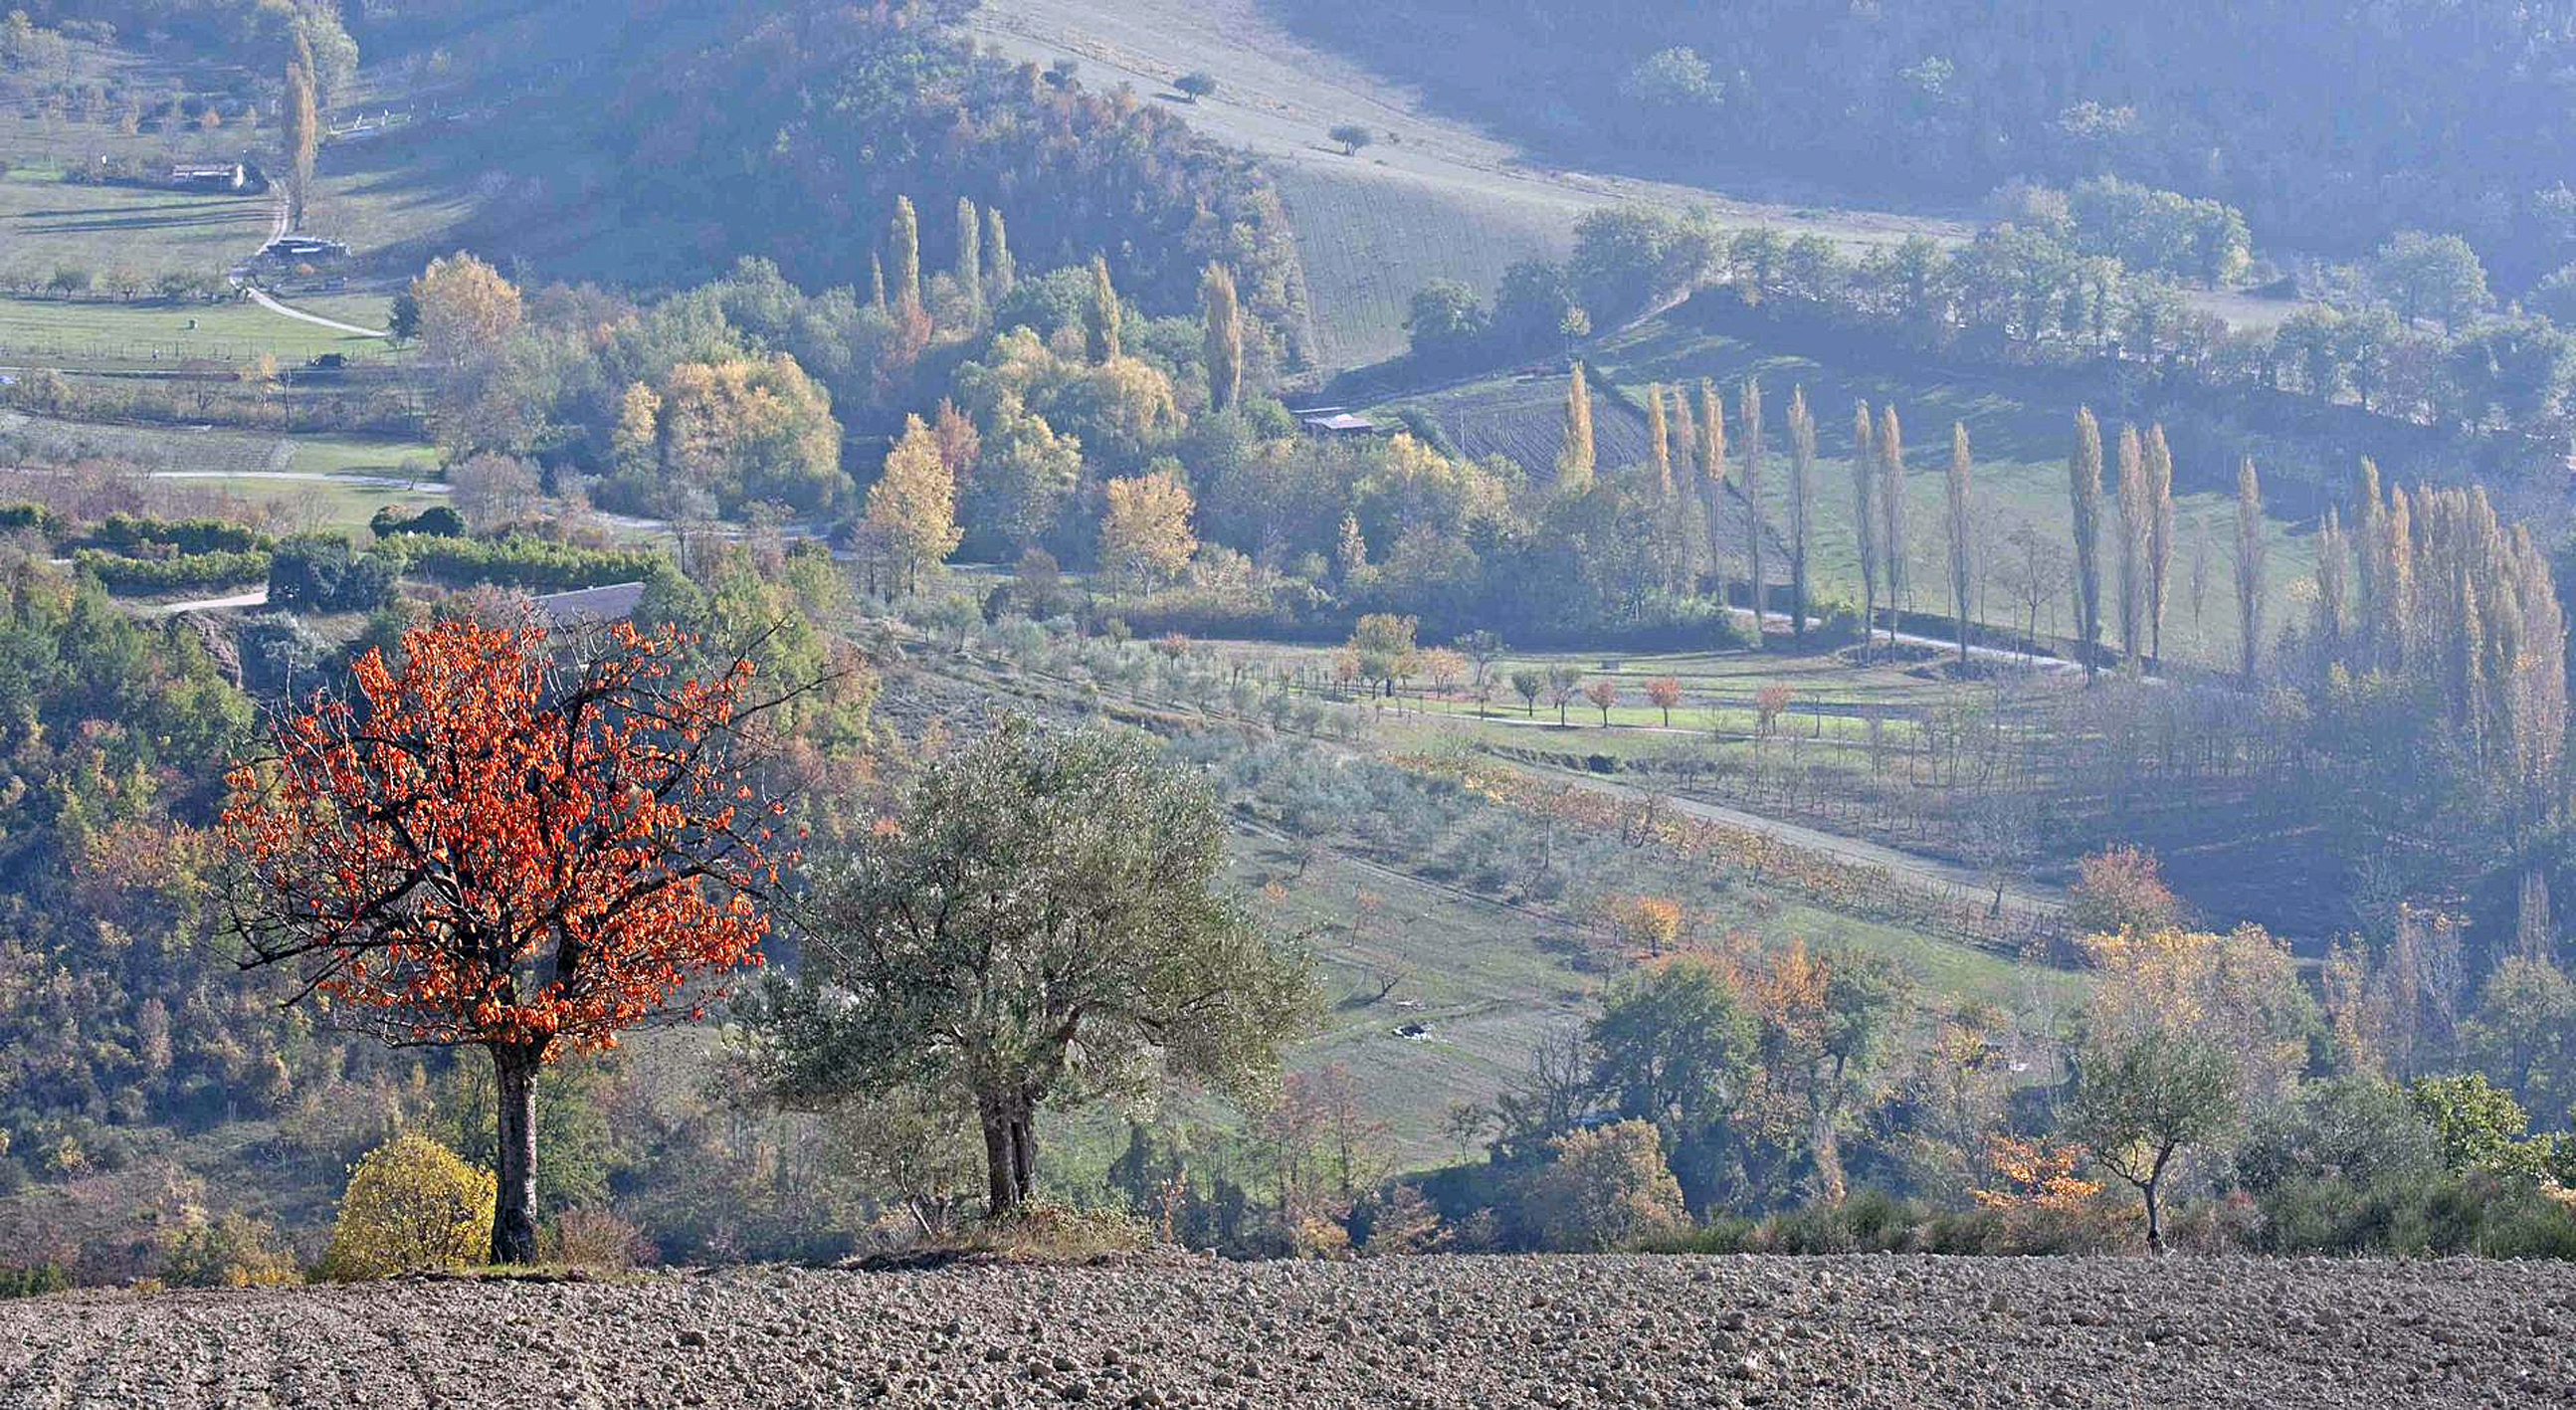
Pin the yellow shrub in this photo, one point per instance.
(411, 1203)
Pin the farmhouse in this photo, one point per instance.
(1334, 421)
(221, 176)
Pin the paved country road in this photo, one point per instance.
(1411, 1332)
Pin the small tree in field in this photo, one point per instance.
(503, 845)
(1527, 684)
(1563, 684)
(1603, 694)
(1196, 84)
(1351, 137)
(2141, 1097)
(1666, 693)
(1041, 924)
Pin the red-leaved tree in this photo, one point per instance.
(506, 842)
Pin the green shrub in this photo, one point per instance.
(27, 516)
(410, 1203)
(234, 1251)
(324, 573)
(34, 1280)
(519, 561)
(188, 570)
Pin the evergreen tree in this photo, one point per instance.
(1223, 315)
(999, 272)
(1748, 415)
(2160, 536)
(1864, 472)
(1574, 455)
(2084, 495)
(905, 238)
(2249, 566)
(1102, 317)
(1958, 503)
(1890, 443)
(970, 257)
(2129, 495)
(876, 281)
(1802, 475)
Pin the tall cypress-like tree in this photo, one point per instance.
(1000, 274)
(876, 281)
(2084, 502)
(905, 240)
(1659, 444)
(2397, 583)
(1802, 477)
(1748, 416)
(1102, 317)
(2368, 555)
(1574, 452)
(1690, 497)
(1864, 473)
(2160, 536)
(2333, 622)
(1712, 479)
(1222, 313)
(303, 134)
(2129, 494)
(2250, 554)
(1957, 498)
(1891, 512)
(970, 258)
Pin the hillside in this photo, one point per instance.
(1619, 1331)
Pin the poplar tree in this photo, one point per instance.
(2333, 621)
(2160, 537)
(2129, 494)
(1574, 453)
(2084, 496)
(1690, 493)
(1102, 316)
(1223, 314)
(1748, 415)
(1659, 443)
(906, 240)
(2250, 551)
(970, 258)
(2368, 554)
(876, 281)
(1958, 503)
(999, 273)
(1891, 512)
(1712, 478)
(1864, 474)
(2396, 583)
(1802, 471)
(303, 135)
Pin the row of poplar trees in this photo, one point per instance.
(1699, 542)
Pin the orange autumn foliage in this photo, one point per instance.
(500, 844)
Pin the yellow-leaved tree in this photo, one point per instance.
(1145, 535)
(410, 1203)
(911, 518)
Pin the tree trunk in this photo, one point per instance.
(1010, 1152)
(2155, 1223)
(514, 1212)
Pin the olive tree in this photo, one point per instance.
(2142, 1096)
(1041, 924)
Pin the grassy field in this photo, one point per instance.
(152, 333)
(48, 224)
(1370, 243)
(2019, 434)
